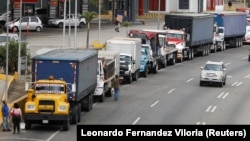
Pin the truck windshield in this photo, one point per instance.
(50, 88)
(162, 40)
(173, 35)
(125, 59)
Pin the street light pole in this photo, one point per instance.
(158, 21)
(19, 41)
(99, 23)
(7, 56)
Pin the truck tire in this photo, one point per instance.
(79, 112)
(249, 58)
(145, 73)
(27, 125)
(65, 125)
(130, 79)
(74, 114)
(136, 75)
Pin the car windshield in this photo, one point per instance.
(173, 35)
(213, 67)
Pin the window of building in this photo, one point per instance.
(183, 4)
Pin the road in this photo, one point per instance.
(172, 96)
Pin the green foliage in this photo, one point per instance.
(13, 55)
(89, 16)
(126, 24)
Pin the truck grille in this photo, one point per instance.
(46, 106)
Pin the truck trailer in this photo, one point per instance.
(233, 26)
(130, 56)
(62, 86)
(192, 33)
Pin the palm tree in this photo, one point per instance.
(126, 24)
(89, 16)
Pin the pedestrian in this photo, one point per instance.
(118, 25)
(6, 119)
(16, 118)
(116, 86)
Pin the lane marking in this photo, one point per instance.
(247, 76)
(169, 92)
(239, 84)
(201, 123)
(234, 83)
(212, 108)
(243, 58)
(227, 64)
(136, 121)
(53, 135)
(154, 103)
(223, 95)
(189, 80)
(229, 76)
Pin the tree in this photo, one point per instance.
(13, 55)
(126, 24)
(89, 16)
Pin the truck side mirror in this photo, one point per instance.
(74, 88)
(26, 86)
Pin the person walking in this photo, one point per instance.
(6, 119)
(116, 86)
(16, 118)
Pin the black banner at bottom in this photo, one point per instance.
(172, 132)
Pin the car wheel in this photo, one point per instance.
(81, 25)
(15, 29)
(38, 29)
(60, 25)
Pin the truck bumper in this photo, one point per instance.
(48, 117)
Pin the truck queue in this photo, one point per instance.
(67, 81)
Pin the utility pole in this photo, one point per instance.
(158, 21)
(7, 56)
(19, 42)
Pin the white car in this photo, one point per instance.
(213, 72)
(69, 21)
(3, 17)
(11, 36)
(27, 23)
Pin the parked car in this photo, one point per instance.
(213, 72)
(27, 23)
(70, 20)
(9, 36)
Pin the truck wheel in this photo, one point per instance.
(74, 112)
(145, 73)
(27, 125)
(249, 58)
(136, 75)
(65, 125)
(130, 79)
(101, 97)
(79, 112)
(201, 83)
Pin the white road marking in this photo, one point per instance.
(229, 76)
(223, 95)
(244, 58)
(227, 64)
(136, 121)
(234, 83)
(52, 136)
(239, 84)
(212, 108)
(201, 123)
(189, 80)
(154, 103)
(169, 92)
(247, 76)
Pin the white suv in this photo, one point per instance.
(213, 72)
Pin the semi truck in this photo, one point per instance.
(191, 33)
(108, 67)
(130, 56)
(150, 42)
(168, 52)
(63, 85)
(233, 26)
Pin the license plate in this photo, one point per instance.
(45, 121)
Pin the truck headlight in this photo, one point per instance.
(62, 108)
(30, 107)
